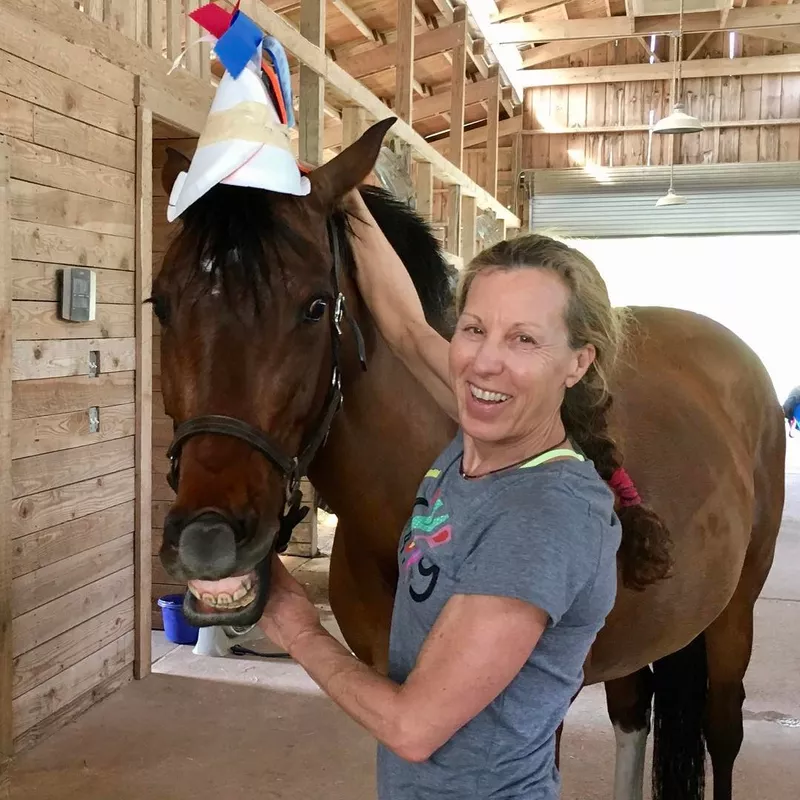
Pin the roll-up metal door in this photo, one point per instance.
(620, 201)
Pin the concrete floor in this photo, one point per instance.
(203, 728)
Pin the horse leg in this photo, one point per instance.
(361, 602)
(628, 700)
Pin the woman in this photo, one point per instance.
(507, 566)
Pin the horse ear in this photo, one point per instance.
(335, 179)
(175, 164)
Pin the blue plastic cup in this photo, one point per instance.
(176, 627)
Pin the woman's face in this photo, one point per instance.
(510, 359)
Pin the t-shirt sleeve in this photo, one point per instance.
(540, 547)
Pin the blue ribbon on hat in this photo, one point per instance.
(237, 46)
(281, 64)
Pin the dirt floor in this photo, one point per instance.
(205, 728)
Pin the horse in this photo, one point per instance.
(264, 344)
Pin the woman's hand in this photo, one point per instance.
(289, 614)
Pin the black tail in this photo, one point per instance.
(679, 750)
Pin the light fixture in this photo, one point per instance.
(678, 121)
(671, 198)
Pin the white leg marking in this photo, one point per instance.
(629, 766)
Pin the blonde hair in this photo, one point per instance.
(591, 320)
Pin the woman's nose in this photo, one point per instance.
(488, 358)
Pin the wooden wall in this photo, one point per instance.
(69, 122)
(750, 98)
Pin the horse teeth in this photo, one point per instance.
(240, 592)
(209, 599)
(224, 600)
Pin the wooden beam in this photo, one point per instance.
(618, 129)
(492, 134)
(440, 103)
(185, 116)
(704, 68)
(699, 46)
(144, 393)
(387, 57)
(454, 220)
(423, 186)
(404, 76)
(469, 213)
(347, 12)
(510, 9)
(458, 79)
(312, 87)
(354, 123)
(480, 135)
(543, 53)
(6, 551)
(647, 50)
(739, 19)
(353, 91)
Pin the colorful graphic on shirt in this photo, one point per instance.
(431, 529)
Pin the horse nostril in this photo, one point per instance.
(207, 547)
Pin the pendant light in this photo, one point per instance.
(670, 198)
(678, 121)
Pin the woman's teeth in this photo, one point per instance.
(488, 397)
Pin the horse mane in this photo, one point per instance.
(231, 229)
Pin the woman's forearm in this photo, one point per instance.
(371, 699)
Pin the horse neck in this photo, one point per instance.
(385, 437)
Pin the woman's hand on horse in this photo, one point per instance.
(289, 614)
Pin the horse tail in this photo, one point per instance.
(680, 682)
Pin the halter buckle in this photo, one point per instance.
(338, 313)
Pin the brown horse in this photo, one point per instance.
(251, 329)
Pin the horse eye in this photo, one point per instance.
(316, 310)
(160, 307)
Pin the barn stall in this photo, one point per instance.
(514, 116)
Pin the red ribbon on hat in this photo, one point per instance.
(216, 21)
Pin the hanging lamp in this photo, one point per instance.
(678, 121)
(671, 198)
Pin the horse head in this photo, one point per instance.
(251, 310)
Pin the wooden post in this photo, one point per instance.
(458, 90)
(454, 220)
(312, 87)
(354, 123)
(469, 216)
(405, 59)
(192, 32)
(424, 189)
(174, 28)
(6, 652)
(156, 29)
(144, 393)
(492, 134)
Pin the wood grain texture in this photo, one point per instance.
(38, 280)
(35, 320)
(54, 358)
(38, 398)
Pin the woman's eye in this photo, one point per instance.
(523, 338)
(316, 310)
(473, 329)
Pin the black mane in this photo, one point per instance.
(232, 228)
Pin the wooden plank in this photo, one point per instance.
(354, 123)
(739, 19)
(492, 133)
(144, 387)
(79, 139)
(35, 398)
(404, 46)
(66, 431)
(59, 691)
(33, 42)
(6, 738)
(423, 189)
(38, 281)
(551, 51)
(177, 111)
(350, 89)
(469, 236)
(751, 102)
(55, 506)
(312, 87)
(174, 28)
(32, 241)
(71, 711)
(39, 320)
(192, 31)
(54, 618)
(121, 16)
(41, 586)
(59, 654)
(60, 468)
(160, 511)
(789, 139)
(36, 203)
(454, 220)
(730, 104)
(68, 539)
(440, 102)
(458, 81)
(29, 82)
(507, 127)
(707, 67)
(62, 357)
(16, 117)
(161, 488)
(42, 165)
(426, 44)
(509, 9)
(771, 85)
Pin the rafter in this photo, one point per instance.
(548, 52)
(355, 20)
(511, 9)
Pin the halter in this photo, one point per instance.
(292, 468)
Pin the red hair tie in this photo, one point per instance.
(624, 488)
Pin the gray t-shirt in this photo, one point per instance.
(546, 534)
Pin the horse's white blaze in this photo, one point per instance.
(629, 767)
